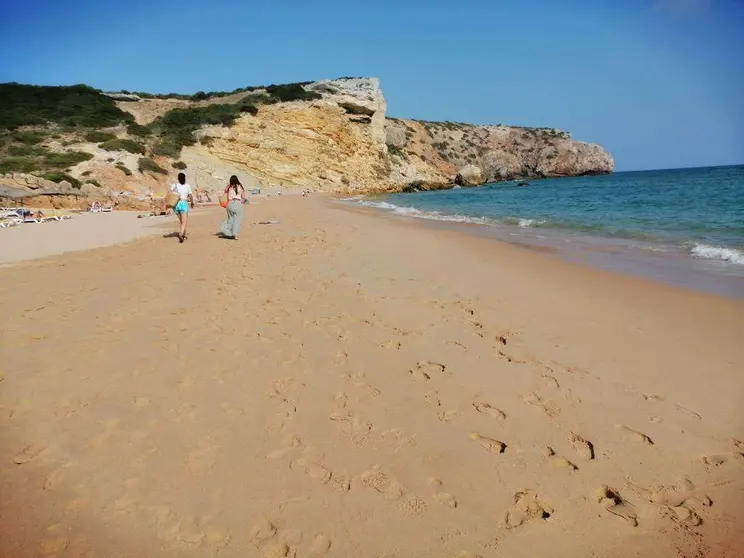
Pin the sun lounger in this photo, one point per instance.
(11, 223)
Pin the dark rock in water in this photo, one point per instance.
(523, 184)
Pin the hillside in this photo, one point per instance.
(331, 135)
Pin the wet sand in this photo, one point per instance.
(347, 384)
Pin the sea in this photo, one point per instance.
(681, 226)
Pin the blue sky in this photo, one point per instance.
(660, 83)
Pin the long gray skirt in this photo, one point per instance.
(231, 227)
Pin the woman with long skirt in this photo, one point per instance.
(235, 197)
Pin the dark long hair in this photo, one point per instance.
(181, 178)
(234, 183)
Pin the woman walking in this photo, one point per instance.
(186, 199)
(235, 197)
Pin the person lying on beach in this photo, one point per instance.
(186, 200)
(235, 197)
(40, 214)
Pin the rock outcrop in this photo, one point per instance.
(336, 143)
(344, 143)
(466, 154)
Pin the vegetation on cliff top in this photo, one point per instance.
(276, 93)
(68, 106)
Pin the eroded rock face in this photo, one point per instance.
(315, 145)
(469, 154)
(469, 175)
(343, 142)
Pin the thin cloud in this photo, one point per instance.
(683, 7)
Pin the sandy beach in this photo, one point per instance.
(83, 231)
(348, 384)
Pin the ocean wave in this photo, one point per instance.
(431, 215)
(730, 255)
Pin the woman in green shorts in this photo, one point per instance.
(186, 201)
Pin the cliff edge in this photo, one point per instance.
(344, 142)
(329, 135)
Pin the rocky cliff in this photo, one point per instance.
(330, 135)
(433, 154)
(344, 142)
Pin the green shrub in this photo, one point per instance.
(96, 136)
(27, 138)
(93, 181)
(66, 159)
(396, 151)
(26, 150)
(123, 169)
(148, 165)
(73, 106)
(167, 148)
(180, 165)
(292, 92)
(20, 164)
(135, 129)
(123, 145)
(56, 176)
(86, 173)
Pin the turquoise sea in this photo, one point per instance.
(684, 226)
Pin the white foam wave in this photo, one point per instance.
(718, 253)
(526, 223)
(431, 215)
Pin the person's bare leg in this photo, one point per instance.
(184, 222)
(180, 222)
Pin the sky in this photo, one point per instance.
(659, 83)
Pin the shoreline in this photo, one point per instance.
(348, 384)
(673, 267)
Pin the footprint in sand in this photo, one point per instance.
(718, 459)
(442, 497)
(54, 545)
(340, 400)
(352, 425)
(392, 490)
(289, 444)
(321, 545)
(611, 501)
(558, 460)
(489, 444)
(424, 370)
(392, 344)
(486, 408)
(581, 446)
(536, 401)
(526, 507)
(27, 454)
(681, 503)
(443, 414)
(311, 467)
(635, 435)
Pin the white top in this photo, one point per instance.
(184, 190)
